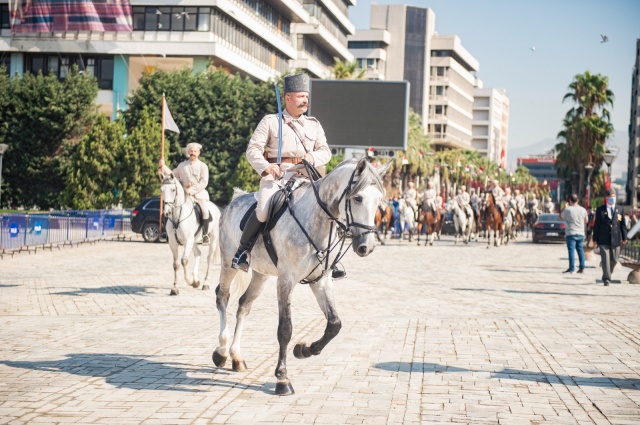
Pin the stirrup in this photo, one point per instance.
(205, 239)
(336, 273)
(241, 261)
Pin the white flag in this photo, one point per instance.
(169, 123)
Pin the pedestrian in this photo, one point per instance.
(609, 233)
(576, 217)
(302, 138)
(193, 174)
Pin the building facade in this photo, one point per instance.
(259, 39)
(402, 44)
(633, 166)
(490, 125)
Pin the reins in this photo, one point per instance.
(338, 229)
(176, 224)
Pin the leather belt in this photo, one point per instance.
(287, 159)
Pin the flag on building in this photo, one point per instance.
(34, 16)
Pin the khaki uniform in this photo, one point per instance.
(463, 199)
(194, 177)
(498, 194)
(410, 197)
(265, 140)
(429, 197)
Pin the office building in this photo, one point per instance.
(490, 124)
(633, 165)
(260, 39)
(402, 44)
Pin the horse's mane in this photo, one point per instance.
(367, 177)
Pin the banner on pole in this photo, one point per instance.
(169, 123)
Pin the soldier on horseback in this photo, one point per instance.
(464, 200)
(302, 138)
(520, 203)
(193, 174)
(498, 195)
(474, 200)
(429, 200)
(410, 196)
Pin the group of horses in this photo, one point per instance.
(482, 222)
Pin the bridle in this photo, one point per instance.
(341, 231)
(172, 205)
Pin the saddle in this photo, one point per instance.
(278, 204)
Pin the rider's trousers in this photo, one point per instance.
(201, 199)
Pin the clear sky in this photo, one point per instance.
(566, 36)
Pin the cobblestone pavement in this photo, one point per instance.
(448, 333)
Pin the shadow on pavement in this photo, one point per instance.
(111, 290)
(519, 375)
(515, 291)
(137, 372)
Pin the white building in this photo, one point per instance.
(490, 124)
(633, 166)
(402, 44)
(260, 39)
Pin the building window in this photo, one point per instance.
(440, 53)
(100, 67)
(156, 18)
(371, 63)
(4, 16)
(365, 44)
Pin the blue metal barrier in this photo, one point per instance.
(61, 227)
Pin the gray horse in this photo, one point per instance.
(308, 239)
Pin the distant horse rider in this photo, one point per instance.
(474, 200)
(410, 196)
(302, 138)
(463, 199)
(548, 206)
(429, 199)
(193, 174)
(520, 203)
(498, 194)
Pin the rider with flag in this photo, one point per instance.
(193, 174)
(302, 137)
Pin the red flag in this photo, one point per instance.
(607, 181)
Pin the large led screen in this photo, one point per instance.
(362, 114)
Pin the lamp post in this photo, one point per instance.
(3, 149)
(608, 158)
(589, 168)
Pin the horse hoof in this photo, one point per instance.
(284, 388)
(195, 284)
(301, 351)
(239, 366)
(174, 291)
(218, 359)
(205, 287)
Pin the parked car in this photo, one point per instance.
(145, 219)
(549, 227)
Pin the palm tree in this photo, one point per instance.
(346, 70)
(586, 128)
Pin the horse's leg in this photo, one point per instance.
(285, 329)
(244, 308)
(221, 352)
(214, 251)
(188, 248)
(323, 291)
(196, 265)
(173, 244)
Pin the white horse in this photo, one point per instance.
(308, 241)
(460, 221)
(509, 222)
(183, 229)
(407, 215)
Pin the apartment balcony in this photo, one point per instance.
(340, 11)
(325, 38)
(307, 62)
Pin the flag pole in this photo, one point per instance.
(161, 158)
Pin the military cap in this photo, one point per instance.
(610, 192)
(294, 83)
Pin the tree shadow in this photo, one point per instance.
(110, 290)
(137, 372)
(516, 374)
(3, 285)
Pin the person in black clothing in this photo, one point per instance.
(609, 233)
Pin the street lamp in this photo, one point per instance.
(589, 168)
(608, 158)
(3, 149)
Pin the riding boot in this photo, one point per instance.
(337, 273)
(205, 230)
(247, 240)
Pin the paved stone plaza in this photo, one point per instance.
(462, 334)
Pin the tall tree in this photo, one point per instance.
(43, 116)
(586, 128)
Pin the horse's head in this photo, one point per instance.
(172, 192)
(362, 191)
